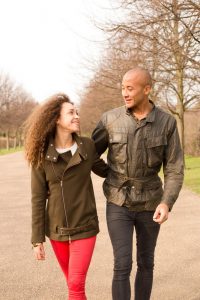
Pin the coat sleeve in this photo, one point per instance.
(39, 191)
(173, 168)
(100, 138)
(99, 166)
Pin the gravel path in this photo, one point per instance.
(177, 265)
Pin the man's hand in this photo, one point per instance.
(161, 213)
(39, 252)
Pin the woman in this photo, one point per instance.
(63, 203)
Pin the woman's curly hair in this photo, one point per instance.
(40, 125)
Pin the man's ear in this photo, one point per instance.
(147, 89)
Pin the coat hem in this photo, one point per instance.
(64, 238)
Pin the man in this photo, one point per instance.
(140, 138)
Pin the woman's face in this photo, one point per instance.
(69, 118)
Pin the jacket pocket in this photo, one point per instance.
(118, 147)
(155, 150)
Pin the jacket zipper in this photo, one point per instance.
(63, 198)
(62, 193)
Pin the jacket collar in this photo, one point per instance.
(151, 116)
(81, 147)
(52, 154)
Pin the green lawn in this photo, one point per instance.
(192, 173)
(12, 150)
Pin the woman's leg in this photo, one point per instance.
(80, 254)
(61, 250)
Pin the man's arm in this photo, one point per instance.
(100, 137)
(99, 166)
(173, 168)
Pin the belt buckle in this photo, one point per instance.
(61, 231)
(137, 191)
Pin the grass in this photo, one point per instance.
(192, 173)
(11, 150)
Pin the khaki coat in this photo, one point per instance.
(63, 202)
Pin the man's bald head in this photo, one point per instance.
(136, 87)
(140, 74)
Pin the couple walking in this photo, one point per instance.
(140, 138)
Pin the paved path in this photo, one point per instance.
(177, 271)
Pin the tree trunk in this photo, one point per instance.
(20, 139)
(7, 140)
(179, 76)
(15, 141)
(180, 125)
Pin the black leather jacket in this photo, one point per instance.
(136, 152)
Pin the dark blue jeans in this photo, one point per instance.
(121, 223)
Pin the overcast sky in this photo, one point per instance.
(44, 43)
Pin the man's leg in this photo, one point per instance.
(120, 228)
(146, 234)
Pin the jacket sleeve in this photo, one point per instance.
(173, 168)
(99, 167)
(100, 138)
(39, 193)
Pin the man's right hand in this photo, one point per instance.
(161, 213)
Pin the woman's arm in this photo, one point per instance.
(39, 192)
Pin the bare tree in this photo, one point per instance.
(103, 91)
(192, 132)
(7, 88)
(192, 13)
(166, 36)
(15, 105)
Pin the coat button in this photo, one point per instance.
(54, 158)
(48, 156)
(51, 145)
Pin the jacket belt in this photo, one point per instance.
(71, 231)
(139, 183)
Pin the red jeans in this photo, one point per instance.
(74, 259)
